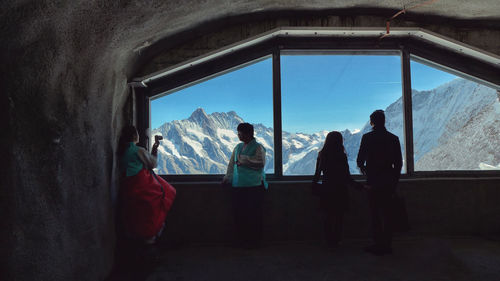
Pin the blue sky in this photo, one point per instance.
(319, 92)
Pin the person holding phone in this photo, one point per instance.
(245, 174)
(145, 198)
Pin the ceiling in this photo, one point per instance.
(169, 18)
(460, 9)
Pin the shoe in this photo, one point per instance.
(150, 241)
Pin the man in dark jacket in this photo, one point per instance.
(380, 159)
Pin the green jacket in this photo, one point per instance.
(135, 158)
(250, 171)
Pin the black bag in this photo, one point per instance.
(317, 188)
(400, 221)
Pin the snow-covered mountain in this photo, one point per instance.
(455, 126)
(202, 144)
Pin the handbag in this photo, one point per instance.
(168, 192)
(146, 200)
(400, 222)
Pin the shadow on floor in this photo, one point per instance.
(416, 258)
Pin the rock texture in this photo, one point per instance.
(64, 69)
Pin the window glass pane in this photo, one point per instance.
(198, 123)
(322, 93)
(456, 122)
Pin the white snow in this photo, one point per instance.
(302, 136)
(198, 148)
(297, 157)
(297, 144)
(168, 147)
(484, 166)
(197, 133)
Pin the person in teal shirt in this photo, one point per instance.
(143, 200)
(134, 158)
(245, 173)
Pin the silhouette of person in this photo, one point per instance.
(245, 173)
(334, 200)
(380, 159)
(143, 200)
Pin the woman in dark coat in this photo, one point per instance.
(334, 198)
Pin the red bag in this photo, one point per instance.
(146, 200)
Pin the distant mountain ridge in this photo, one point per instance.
(457, 114)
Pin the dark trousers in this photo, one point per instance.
(247, 210)
(380, 208)
(333, 226)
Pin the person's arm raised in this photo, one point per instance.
(148, 159)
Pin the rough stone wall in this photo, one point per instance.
(203, 40)
(64, 85)
(64, 67)
(60, 143)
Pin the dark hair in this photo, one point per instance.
(246, 128)
(378, 118)
(333, 144)
(127, 135)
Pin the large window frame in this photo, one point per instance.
(363, 53)
(458, 59)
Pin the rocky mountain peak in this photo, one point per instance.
(198, 115)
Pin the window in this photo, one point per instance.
(327, 92)
(456, 121)
(198, 123)
(297, 95)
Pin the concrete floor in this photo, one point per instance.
(416, 258)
